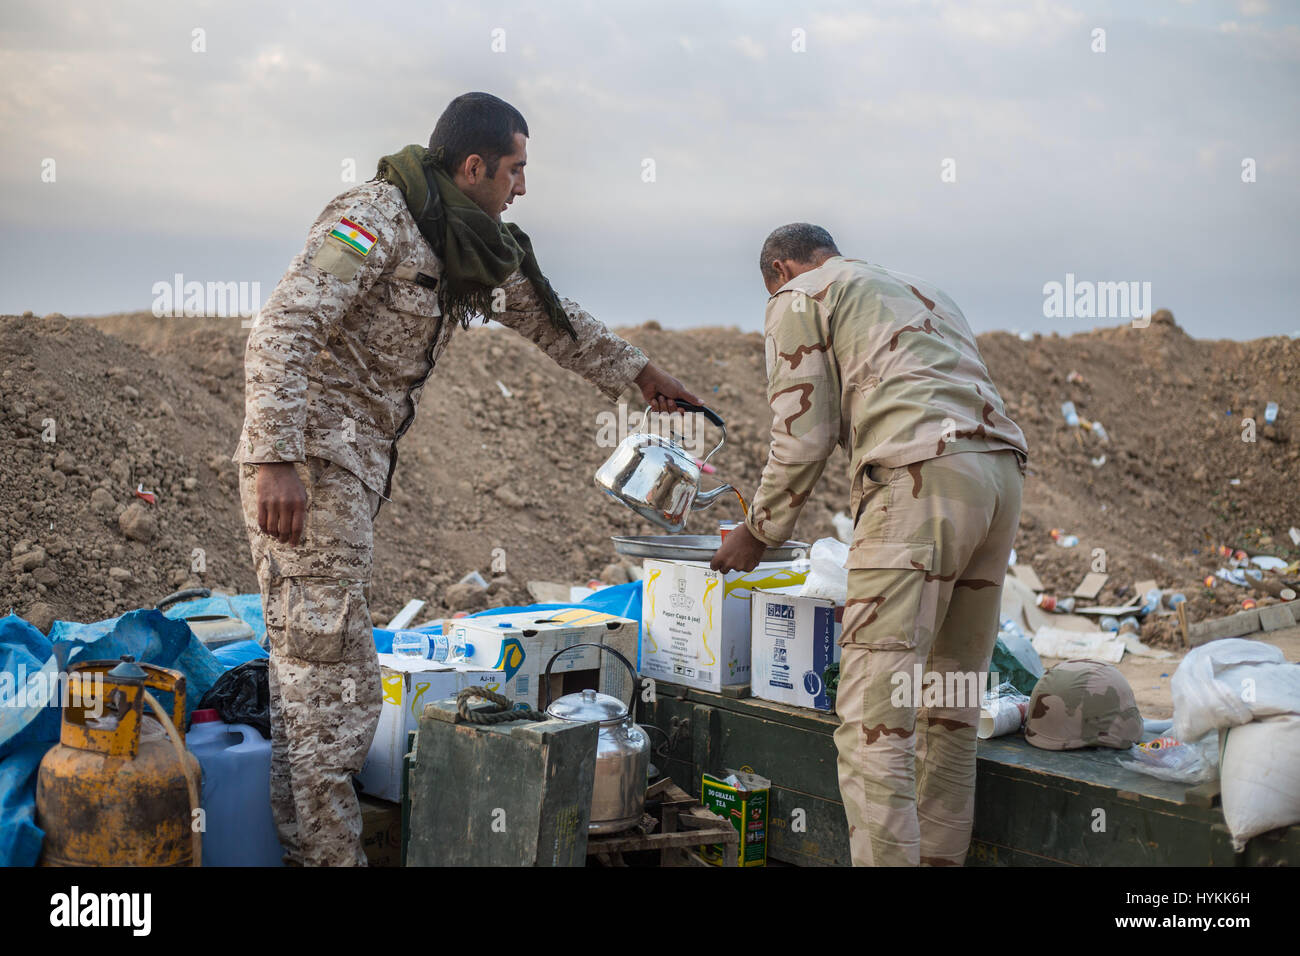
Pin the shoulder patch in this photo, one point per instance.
(353, 235)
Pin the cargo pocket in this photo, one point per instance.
(323, 618)
(892, 597)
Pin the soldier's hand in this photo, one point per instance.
(659, 389)
(740, 551)
(281, 502)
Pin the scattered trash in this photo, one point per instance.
(1071, 416)
(474, 578)
(1097, 463)
(1128, 625)
(148, 496)
(1063, 539)
(504, 391)
(1248, 604)
(1270, 413)
(1074, 378)
(1150, 602)
(1100, 432)
(1268, 562)
(1173, 600)
(1241, 577)
(1109, 623)
(827, 577)
(1234, 481)
(1169, 759)
(1295, 536)
(1062, 643)
(1210, 581)
(1049, 603)
(1003, 712)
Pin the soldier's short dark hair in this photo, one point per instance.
(477, 123)
(798, 241)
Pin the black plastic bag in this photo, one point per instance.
(242, 695)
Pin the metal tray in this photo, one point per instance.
(694, 547)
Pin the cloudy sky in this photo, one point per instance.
(991, 147)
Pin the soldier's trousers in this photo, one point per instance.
(324, 672)
(930, 548)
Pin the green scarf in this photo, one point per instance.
(478, 252)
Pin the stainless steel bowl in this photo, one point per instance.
(694, 547)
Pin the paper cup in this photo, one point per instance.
(1002, 715)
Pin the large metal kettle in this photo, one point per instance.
(657, 478)
(622, 749)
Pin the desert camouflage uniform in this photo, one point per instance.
(887, 367)
(1083, 704)
(333, 373)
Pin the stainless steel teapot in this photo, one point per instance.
(622, 749)
(657, 478)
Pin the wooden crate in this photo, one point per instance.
(679, 825)
(1032, 807)
(510, 794)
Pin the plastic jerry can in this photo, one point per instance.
(236, 792)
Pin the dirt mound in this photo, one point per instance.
(137, 400)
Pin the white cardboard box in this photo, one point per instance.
(696, 621)
(520, 644)
(408, 684)
(794, 640)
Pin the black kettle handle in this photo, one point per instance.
(636, 679)
(709, 413)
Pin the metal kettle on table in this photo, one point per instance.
(657, 478)
(622, 749)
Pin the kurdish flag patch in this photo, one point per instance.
(353, 236)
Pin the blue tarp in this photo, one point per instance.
(29, 717)
(622, 600)
(28, 731)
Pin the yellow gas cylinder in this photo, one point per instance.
(115, 791)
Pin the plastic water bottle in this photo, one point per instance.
(453, 649)
(1129, 625)
(1150, 602)
(1063, 539)
(438, 647)
(1110, 623)
(1173, 600)
(236, 792)
(1071, 416)
(1270, 413)
(411, 644)
(1100, 432)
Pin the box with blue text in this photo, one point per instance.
(793, 640)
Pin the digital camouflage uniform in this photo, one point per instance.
(333, 372)
(887, 367)
(1083, 704)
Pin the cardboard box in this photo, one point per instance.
(408, 683)
(696, 621)
(793, 640)
(520, 644)
(381, 831)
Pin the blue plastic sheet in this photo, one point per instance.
(28, 658)
(27, 733)
(246, 607)
(621, 600)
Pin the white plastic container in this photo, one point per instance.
(236, 794)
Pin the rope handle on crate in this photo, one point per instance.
(505, 708)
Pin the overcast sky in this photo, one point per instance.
(1122, 165)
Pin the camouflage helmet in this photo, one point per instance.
(1083, 704)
